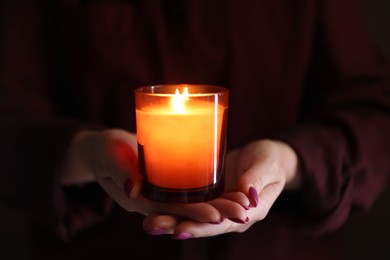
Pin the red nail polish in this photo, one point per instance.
(239, 221)
(128, 187)
(253, 196)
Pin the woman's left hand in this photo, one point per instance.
(260, 170)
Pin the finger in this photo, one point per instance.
(260, 174)
(115, 177)
(231, 210)
(192, 229)
(116, 193)
(238, 197)
(201, 212)
(125, 167)
(154, 224)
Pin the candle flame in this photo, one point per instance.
(178, 101)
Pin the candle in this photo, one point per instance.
(181, 138)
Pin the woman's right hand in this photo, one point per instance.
(260, 170)
(110, 158)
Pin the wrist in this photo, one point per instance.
(291, 167)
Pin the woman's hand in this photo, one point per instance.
(261, 170)
(110, 158)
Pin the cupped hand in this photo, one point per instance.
(260, 170)
(110, 158)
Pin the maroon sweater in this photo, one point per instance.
(304, 72)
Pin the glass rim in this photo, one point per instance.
(213, 89)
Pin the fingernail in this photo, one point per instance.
(182, 236)
(157, 231)
(253, 196)
(239, 221)
(246, 207)
(127, 187)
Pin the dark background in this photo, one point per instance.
(368, 234)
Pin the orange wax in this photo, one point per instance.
(181, 150)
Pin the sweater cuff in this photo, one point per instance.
(32, 180)
(323, 204)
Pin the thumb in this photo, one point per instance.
(124, 153)
(251, 182)
(257, 169)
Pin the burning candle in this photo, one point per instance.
(181, 132)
